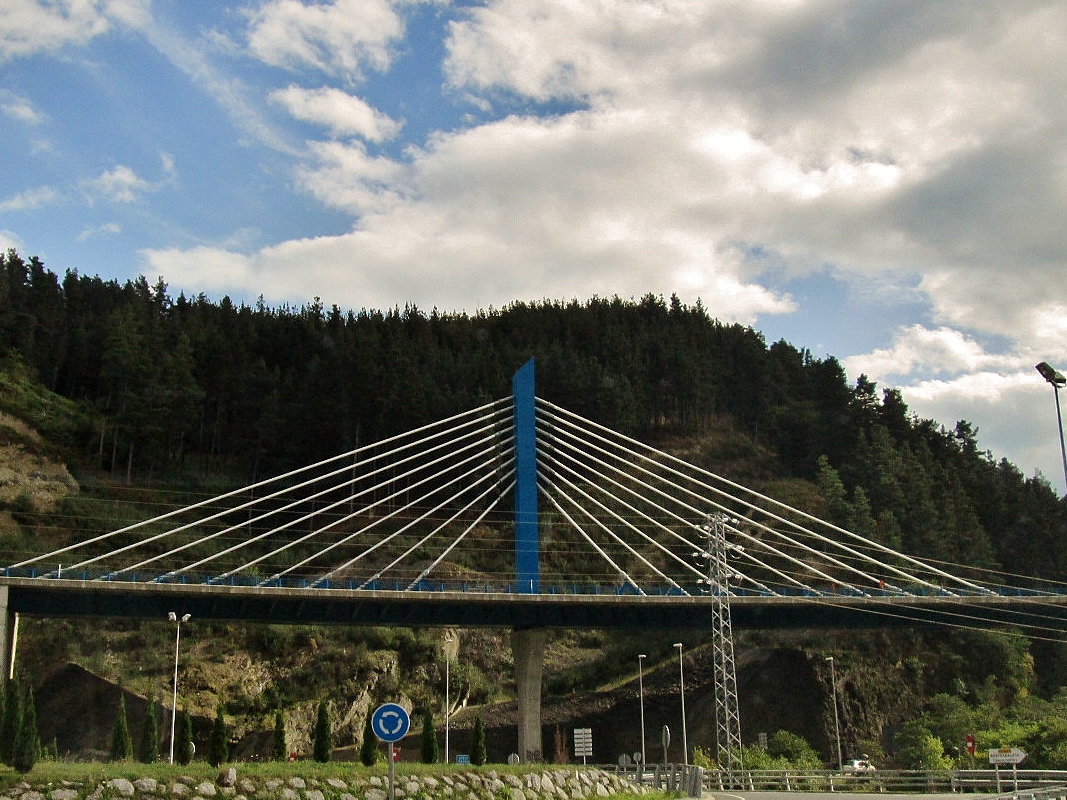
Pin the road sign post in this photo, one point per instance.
(583, 742)
(1007, 755)
(390, 723)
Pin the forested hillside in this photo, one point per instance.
(162, 396)
(191, 389)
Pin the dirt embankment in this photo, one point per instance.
(30, 480)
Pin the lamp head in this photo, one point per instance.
(186, 617)
(172, 616)
(1051, 375)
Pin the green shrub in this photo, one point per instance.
(323, 736)
(121, 742)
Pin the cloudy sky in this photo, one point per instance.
(884, 182)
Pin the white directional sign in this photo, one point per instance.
(583, 742)
(1006, 755)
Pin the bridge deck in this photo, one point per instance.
(71, 598)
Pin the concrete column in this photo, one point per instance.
(528, 651)
(5, 633)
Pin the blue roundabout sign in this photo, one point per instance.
(390, 722)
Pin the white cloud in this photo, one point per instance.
(32, 199)
(918, 349)
(344, 114)
(118, 185)
(338, 38)
(200, 269)
(107, 229)
(27, 26)
(30, 26)
(19, 108)
(996, 403)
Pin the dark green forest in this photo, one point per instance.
(187, 389)
(196, 395)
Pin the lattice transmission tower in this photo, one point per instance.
(727, 717)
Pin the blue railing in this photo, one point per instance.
(504, 587)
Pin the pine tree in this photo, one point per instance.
(28, 741)
(430, 752)
(478, 754)
(323, 744)
(121, 743)
(150, 734)
(279, 752)
(369, 751)
(219, 747)
(183, 752)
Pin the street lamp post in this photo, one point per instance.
(681, 679)
(1058, 381)
(174, 698)
(448, 706)
(837, 723)
(641, 694)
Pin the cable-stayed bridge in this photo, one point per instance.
(517, 514)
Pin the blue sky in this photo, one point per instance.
(884, 182)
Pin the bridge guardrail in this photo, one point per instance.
(501, 587)
(1017, 784)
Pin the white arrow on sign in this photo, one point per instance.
(1006, 755)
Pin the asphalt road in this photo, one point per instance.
(834, 796)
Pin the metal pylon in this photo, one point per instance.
(727, 718)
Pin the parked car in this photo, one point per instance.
(858, 766)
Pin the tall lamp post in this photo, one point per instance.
(681, 679)
(174, 699)
(448, 705)
(1058, 382)
(641, 694)
(837, 723)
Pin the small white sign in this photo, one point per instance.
(1006, 755)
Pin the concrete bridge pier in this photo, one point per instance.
(528, 651)
(7, 632)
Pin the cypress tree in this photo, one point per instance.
(478, 754)
(219, 748)
(430, 751)
(369, 750)
(28, 741)
(150, 734)
(183, 752)
(121, 743)
(323, 744)
(11, 722)
(278, 748)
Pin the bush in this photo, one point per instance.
(279, 752)
(219, 747)
(28, 743)
(150, 734)
(121, 742)
(323, 737)
(369, 752)
(430, 752)
(478, 754)
(183, 752)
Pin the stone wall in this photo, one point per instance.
(575, 783)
